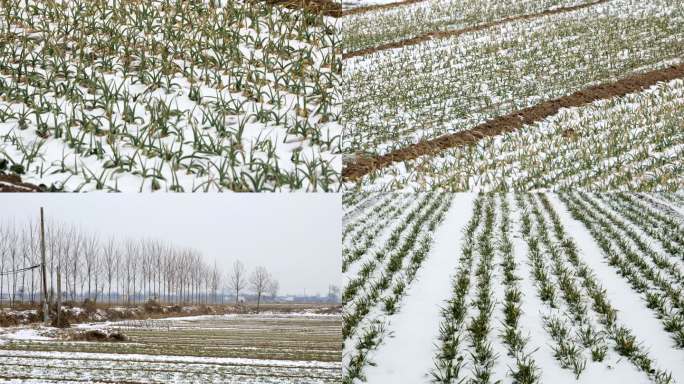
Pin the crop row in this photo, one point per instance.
(676, 199)
(59, 367)
(363, 233)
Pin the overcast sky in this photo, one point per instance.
(296, 236)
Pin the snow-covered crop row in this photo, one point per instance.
(523, 288)
(397, 97)
(394, 24)
(633, 142)
(169, 95)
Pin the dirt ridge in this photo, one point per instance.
(457, 32)
(376, 7)
(331, 8)
(357, 168)
(13, 183)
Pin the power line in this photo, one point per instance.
(20, 270)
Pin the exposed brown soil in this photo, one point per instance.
(457, 32)
(13, 183)
(375, 7)
(361, 166)
(323, 7)
(23, 316)
(98, 335)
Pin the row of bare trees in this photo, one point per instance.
(114, 270)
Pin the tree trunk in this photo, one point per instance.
(59, 297)
(258, 301)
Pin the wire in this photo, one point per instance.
(19, 270)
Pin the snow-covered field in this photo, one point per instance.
(527, 288)
(267, 348)
(590, 147)
(397, 97)
(169, 95)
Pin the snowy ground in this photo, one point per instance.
(626, 339)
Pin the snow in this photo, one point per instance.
(406, 356)
(171, 358)
(24, 334)
(632, 311)
(409, 345)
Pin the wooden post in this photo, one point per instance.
(46, 318)
(59, 296)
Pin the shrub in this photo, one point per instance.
(89, 305)
(152, 306)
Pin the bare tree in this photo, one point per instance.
(7, 242)
(90, 257)
(134, 269)
(333, 293)
(238, 279)
(260, 281)
(76, 239)
(110, 256)
(131, 267)
(273, 288)
(215, 281)
(13, 256)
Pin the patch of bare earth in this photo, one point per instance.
(13, 183)
(323, 7)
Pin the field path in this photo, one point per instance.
(360, 166)
(457, 32)
(324, 7)
(407, 356)
(376, 7)
(632, 311)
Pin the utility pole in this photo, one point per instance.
(44, 269)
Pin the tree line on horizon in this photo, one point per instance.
(121, 271)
